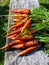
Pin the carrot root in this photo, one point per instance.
(28, 50)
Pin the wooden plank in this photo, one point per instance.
(36, 57)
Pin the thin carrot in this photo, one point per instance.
(14, 32)
(23, 20)
(18, 19)
(24, 11)
(16, 26)
(18, 15)
(25, 44)
(15, 42)
(25, 25)
(12, 36)
(19, 24)
(26, 51)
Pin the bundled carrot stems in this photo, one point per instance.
(26, 30)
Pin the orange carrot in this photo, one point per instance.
(14, 32)
(25, 25)
(31, 43)
(26, 51)
(18, 19)
(25, 44)
(16, 26)
(25, 38)
(18, 15)
(23, 20)
(24, 11)
(12, 36)
(15, 42)
(19, 46)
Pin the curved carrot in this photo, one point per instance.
(26, 51)
(25, 25)
(24, 11)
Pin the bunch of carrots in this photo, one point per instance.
(21, 23)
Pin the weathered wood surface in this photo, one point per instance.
(36, 57)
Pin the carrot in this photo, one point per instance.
(16, 26)
(24, 38)
(31, 43)
(18, 15)
(24, 11)
(33, 31)
(25, 44)
(15, 42)
(18, 19)
(19, 24)
(12, 36)
(19, 46)
(23, 20)
(26, 51)
(25, 25)
(14, 32)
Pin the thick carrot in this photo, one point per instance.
(19, 46)
(33, 31)
(26, 44)
(25, 25)
(15, 42)
(31, 43)
(25, 38)
(14, 32)
(26, 51)
(24, 11)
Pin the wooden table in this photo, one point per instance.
(36, 57)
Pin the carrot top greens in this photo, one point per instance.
(40, 22)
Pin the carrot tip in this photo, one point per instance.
(19, 54)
